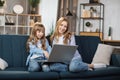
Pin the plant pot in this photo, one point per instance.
(31, 23)
(33, 10)
(109, 37)
(2, 10)
(88, 30)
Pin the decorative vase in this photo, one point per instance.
(88, 29)
(109, 37)
(31, 23)
(1, 9)
(33, 10)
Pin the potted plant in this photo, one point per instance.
(34, 4)
(51, 30)
(93, 1)
(1, 6)
(109, 33)
(88, 25)
(2, 3)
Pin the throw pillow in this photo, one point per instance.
(3, 64)
(103, 54)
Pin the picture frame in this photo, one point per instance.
(9, 19)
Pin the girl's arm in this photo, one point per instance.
(72, 42)
(46, 54)
(48, 49)
(48, 46)
(34, 48)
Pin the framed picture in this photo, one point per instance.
(9, 19)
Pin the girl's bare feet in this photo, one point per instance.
(91, 66)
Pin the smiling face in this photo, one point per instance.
(62, 27)
(38, 31)
(39, 34)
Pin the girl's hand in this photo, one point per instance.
(46, 54)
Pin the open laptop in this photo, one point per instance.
(62, 53)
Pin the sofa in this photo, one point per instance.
(13, 51)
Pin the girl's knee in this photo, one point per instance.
(45, 68)
(58, 67)
(34, 68)
(77, 66)
(72, 68)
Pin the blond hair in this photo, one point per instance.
(56, 35)
(33, 38)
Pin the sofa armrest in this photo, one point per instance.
(115, 59)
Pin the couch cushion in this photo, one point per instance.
(3, 64)
(21, 73)
(13, 49)
(103, 54)
(102, 72)
(115, 59)
(16, 69)
(87, 46)
(25, 75)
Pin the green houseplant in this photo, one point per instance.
(34, 4)
(2, 3)
(51, 30)
(109, 33)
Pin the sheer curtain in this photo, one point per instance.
(64, 7)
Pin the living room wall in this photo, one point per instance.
(48, 12)
(111, 17)
(9, 4)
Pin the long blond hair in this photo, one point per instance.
(56, 35)
(32, 38)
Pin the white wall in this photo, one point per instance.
(48, 11)
(111, 17)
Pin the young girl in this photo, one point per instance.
(38, 47)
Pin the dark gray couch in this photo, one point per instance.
(13, 50)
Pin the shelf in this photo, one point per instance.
(92, 34)
(94, 14)
(92, 4)
(112, 42)
(17, 24)
(9, 23)
(20, 14)
(91, 18)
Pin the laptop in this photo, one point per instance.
(62, 53)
